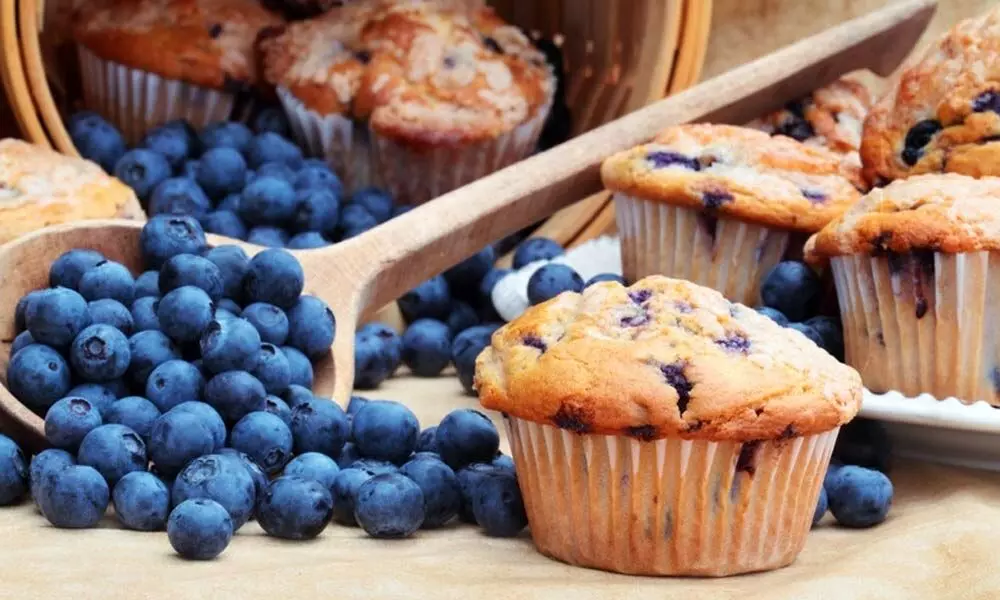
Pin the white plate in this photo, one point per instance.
(944, 431)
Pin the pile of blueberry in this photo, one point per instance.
(857, 489)
(790, 295)
(249, 183)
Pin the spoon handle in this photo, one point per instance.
(427, 240)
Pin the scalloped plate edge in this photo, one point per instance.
(926, 410)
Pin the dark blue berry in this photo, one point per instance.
(345, 493)
(498, 506)
(270, 237)
(275, 277)
(231, 203)
(260, 480)
(229, 305)
(355, 404)
(315, 466)
(169, 235)
(114, 450)
(392, 341)
(267, 200)
(108, 280)
(533, 249)
(318, 176)
(859, 497)
(179, 196)
(272, 147)
(374, 466)
(295, 508)
(810, 333)
(299, 366)
(464, 278)
(316, 209)
(113, 313)
(225, 134)
(466, 436)
(389, 506)
(229, 345)
(13, 472)
(233, 264)
(427, 347)
(149, 349)
(134, 412)
(56, 317)
(469, 477)
(67, 270)
(504, 463)
(385, 430)
(604, 277)
(173, 382)
(209, 417)
(278, 170)
(319, 425)
(271, 119)
(142, 502)
(97, 140)
(43, 466)
(178, 437)
(774, 314)
(792, 288)
(429, 300)
(172, 142)
(142, 170)
(349, 455)
(100, 353)
(279, 408)
(221, 171)
(271, 322)
(74, 497)
(21, 309)
(144, 314)
(489, 282)
(355, 220)
(462, 317)
(466, 347)
(307, 240)
(822, 505)
(427, 441)
(550, 281)
(184, 313)
(296, 394)
(832, 334)
(917, 138)
(199, 529)
(375, 201)
(265, 438)
(38, 376)
(311, 326)
(224, 222)
(147, 285)
(437, 482)
(22, 340)
(271, 368)
(235, 394)
(219, 478)
(69, 420)
(100, 396)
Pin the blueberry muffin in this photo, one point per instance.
(916, 270)
(147, 62)
(39, 187)
(418, 96)
(943, 114)
(721, 205)
(659, 429)
(830, 117)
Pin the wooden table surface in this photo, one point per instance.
(939, 543)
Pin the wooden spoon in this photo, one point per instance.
(382, 264)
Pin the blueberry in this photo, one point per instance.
(389, 506)
(316, 209)
(307, 240)
(113, 313)
(275, 277)
(227, 223)
(464, 278)
(147, 285)
(355, 220)
(108, 280)
(22, 340)
(97, 140)
(179, 196)
(260, 480)
(295, 508)
(498, 506)
(230, 345)
(185, 313)
(67, 270)
(21, 309)
(272, 147)
(604, 277)
(219, 478)
(265, 438)
(385, 430)
(345, 493)
(536, 249)
(221, 171)
(374, 466)
(864, 443)
(13, 472)
(144, 314)
(376, 356)
(355, 404)
(792, 288)
(822, 504)
(315, 466)
(68, 421)
(278, 170)
(235, 394)
(392, 341)
(270, 321)
(271, 119)
(429, 300)
(229, 305)
(859, 497)
(101, 397)
(74, 497)
(142, 170)
(311, 326)
(173, 382)
(164, 236)
(442, 495)
(57, 316)
(809, 332)
(296, 394)
(349, 455)
(38, 376)
(171, 142)
(489, 282)
(199, 529)
(318, 176)
(467, 436)
(832, 334)
(550, 281)
(427, 347)
(233, 264)
(225, 134)
(134, 412)
(462, 317)
(100, 353)
(142, 501)
(149, 349)
(43, 466)
(270, 237)
(427, 440)
(917, 138)
(114, 450)
(231, 203)
(466, 347)
(375, 201)
(504, 463)
(299, 366)
(319, 425)
(197, 271)
(279, 408)
(267, 200)
(190, 170)
(469, 478)
(209, 417)
(775, 315)
(272, 369)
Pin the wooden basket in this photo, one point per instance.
(619, 54)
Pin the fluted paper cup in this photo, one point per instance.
(136, 101)
(923, 323)
(668, 506)
(727, 255)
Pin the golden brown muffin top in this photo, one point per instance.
(210, 43)
(663, 357)
(423, 72)
(738, 172)
(943, 115)
(940, 213)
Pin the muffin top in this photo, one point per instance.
(40, 187)
(425, 73)
(940, 213)
(943, 115)
(663, 357)
(738, 172)
(209, 43)
(830, 117)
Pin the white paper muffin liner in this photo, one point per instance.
(727, 255)
(136, 101)
(361, 157)
(669, 506)
(923, 323)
